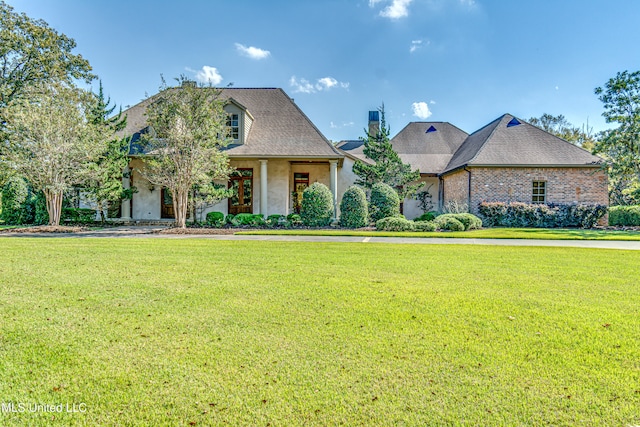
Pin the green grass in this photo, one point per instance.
(485, 233)
(172, 332)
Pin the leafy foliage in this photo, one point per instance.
(468, 220)
(187, 130)
(384, 202)
(15, 196)
(624, 215)
(317, 205)
(449, 222)
(247, 219)
(215, 219)
(395, 223)
(427, 216)
(516, 214)
(425, 199)
(387, 166)
(621, 146)
(560, 127)
(353, 208)
(79, 215)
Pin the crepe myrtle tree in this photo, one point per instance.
(187, 130)
(51, 141)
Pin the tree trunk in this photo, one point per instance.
(180, 207)
(54, 206)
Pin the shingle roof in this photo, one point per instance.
(428, 146)
(500, 143)
(279, 129)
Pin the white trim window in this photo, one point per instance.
(539, 194)
(233, 125)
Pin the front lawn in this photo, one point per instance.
(202, 332)
(485, 233)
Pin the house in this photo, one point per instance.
(506, 160)
(276, 150)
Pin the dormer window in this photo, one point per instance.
(233, 125)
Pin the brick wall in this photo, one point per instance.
(456, 188)
(563, 185)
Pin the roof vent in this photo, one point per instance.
(513, 122)
(431, 129)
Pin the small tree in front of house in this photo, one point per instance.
(387, 166)
(187, 129)
(354, 208)
(51, 142)
(317, 205)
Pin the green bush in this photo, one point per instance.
(16, 208)
(215, 219)
(317, 205)
(627, 216)
(353, 208)
(247, 219)
(275, 220)
(229, 219)
(427, 216)
(516, 214)
(78, 215)
(425, 226)
(469, 221)
(395, 223)
(293, 220)
(384, 202)
(448, 222)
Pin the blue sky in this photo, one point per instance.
(462, 61)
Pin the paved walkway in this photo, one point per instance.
(148, 232)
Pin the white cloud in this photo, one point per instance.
(252, 52)
(415, 45)
(469, 3)
(421, 110)
(396, 10)
(325, 83)
(207, 75)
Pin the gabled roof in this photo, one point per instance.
(428, 146)
(354, 148)
(279, 128)
(509, 141)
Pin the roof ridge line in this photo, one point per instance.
(499, 120)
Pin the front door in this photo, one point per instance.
(241, 182)
(300, 183)
(166, 205)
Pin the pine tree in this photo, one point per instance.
(387, 167)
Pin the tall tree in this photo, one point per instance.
(387, 167)
(32, 53)
(105, 181)
(560, 127)
(51, 143)
(621, 146)
(187, 129)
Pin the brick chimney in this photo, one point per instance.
(374, 122)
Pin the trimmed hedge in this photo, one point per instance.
(449, 222)
(395, 223)
(425, 226)
(294, 219)
(79, 215)
(427, 216)
(516, 214)
(384, 202)
(317, 205)
(468, 220)
(627, 216)
(215, 219)
(247, 219)
(275, 220)
(353, 208)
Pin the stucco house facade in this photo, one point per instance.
(276, 150)
(506, 160)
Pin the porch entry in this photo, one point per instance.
(300, 183)
(241, 181)
(166, 204)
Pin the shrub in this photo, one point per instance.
(317, 205)
(275, 220)
(293, 219)
(384, 202)
(79, 215)
(229, 219)
(469, 221)
(395, 223)
(624, 215)
(448, 222)
(15, 202)
(353, 208)
(516, 214)
(247, 219)
(427, 216)
(425, 226)
(215, 219)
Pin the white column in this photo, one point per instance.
(333, 165)
(126, 203)
(263, 188)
